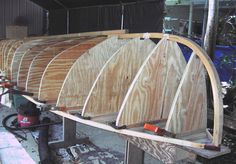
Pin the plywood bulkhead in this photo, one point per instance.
(84, 71)
(110, 87)
(152, 91)
(57, 69)
(28, 57)
(41, 61)
(189, 108)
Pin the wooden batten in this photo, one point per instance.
(57, 69)
(28, 57)
(84, 71)
(110, 87)
(152, 91)
(189, 108)
(41, 61)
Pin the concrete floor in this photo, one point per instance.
(101, 138)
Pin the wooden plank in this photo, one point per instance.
(110, 87)
(189, 108)
(28, 58)
(84, 34)
(152, 91)
(19, 53)
(164, 152)
(211, 70)
(41, 61)
(84, 71)
(57, 70)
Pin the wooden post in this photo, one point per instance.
(69, 135)
(133, 155)
(211, 31)
(190, 21)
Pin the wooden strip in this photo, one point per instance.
(214, 78)
(189, 108)
(24, 48)
(112, 84)
(28, 58)
(41, 61)
(84, 71)
(131, 132)
(153, 88)
(91, 34)
(56, 71)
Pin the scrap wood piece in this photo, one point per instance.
(189, 108)
(84, 71)
(152, 91)
(111, 85)
(57, 70)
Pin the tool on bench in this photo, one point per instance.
(158, 130)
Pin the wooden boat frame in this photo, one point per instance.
(213, 76)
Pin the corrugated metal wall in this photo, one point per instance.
(10, 10)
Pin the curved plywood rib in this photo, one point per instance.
(41, 61)
(109, 89)
(84, 72)
(152, 91)
(189, 108)
(24, 48)
(56, 71)
(10, 56)
(28, 57)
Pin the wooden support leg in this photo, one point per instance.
(133, 154)
(69, 135)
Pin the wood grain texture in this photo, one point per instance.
(189, 108)
(84, 71)
(211, 70)
(56, 71)
(112, 84)
(28, 57)
(152, 91)
(41, 61)
(10, 57)
(162, 151)
(6, 48)
(19, 53)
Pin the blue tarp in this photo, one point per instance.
(224, 61)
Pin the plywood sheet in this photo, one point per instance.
(41, 61)
(57, 70)
(112, 84)
(84, 71)
(151, 93)
(189, 109)
(28, 57)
